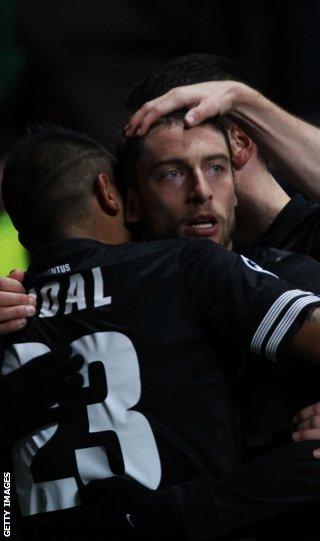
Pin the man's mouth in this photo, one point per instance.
(202, 227)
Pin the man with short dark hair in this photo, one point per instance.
(265, 214)
(260, 196)
(186, 190)
(290, 142)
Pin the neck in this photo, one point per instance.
(260, 201)
(109, 230)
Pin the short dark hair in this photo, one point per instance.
(129, 149)
(186, 70)
(48, 179)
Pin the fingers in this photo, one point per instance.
(204, 99)
(67, 390)
(10, 284)
(98, 381)
(12, 326)
(307, 412)
(312, 422)
(198, 98)
(198, 114)
(308, 434)
(65, 412)
(15, 305)
(16, 313)
(96, 489)
(147, 121)
(307, 423)
(42, 364)
(17, 274)
(8, 298)
(54, 375)
(175, 99)
(119, 490)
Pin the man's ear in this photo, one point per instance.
(107, 195)
(133, 212)
(242, 146)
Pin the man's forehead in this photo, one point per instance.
(170, 138)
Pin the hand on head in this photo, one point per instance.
(203, 100)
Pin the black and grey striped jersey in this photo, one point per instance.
(160, 326)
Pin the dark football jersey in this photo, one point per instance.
(268, 398)
(296, 228)
(299, 381)
(159, 326)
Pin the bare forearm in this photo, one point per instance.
(306, 343)
(292, 144)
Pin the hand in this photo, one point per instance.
(125, 505)
(307, 425)
(111, 500)
(15, 305)
(27, 393)
(215, 98)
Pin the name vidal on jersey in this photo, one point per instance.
(75, 295)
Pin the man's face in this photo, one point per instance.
(185, 184)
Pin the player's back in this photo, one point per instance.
(156, 404)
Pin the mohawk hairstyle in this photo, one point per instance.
(48, 179)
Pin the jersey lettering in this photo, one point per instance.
(77, 297)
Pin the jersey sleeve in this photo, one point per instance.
(296, 228)
(228, 290)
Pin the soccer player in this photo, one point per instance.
(291, 143)
(262, 201)
(159, 325)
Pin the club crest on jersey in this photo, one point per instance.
(255, 267)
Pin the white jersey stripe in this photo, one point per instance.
(286, 322)
(271, 317)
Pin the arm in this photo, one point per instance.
(306, 342)
(266, 314)
(292, 144)
(209, 507)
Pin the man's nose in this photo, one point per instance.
(200, 189)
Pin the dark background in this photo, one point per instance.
(74, 61)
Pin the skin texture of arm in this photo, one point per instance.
(292, 144)
(306, 342)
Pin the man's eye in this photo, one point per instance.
(216, 168)
(172, 174)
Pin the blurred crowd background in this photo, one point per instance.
(74, 62)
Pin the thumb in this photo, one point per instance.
(17, 274)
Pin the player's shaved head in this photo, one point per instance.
(48, 181)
